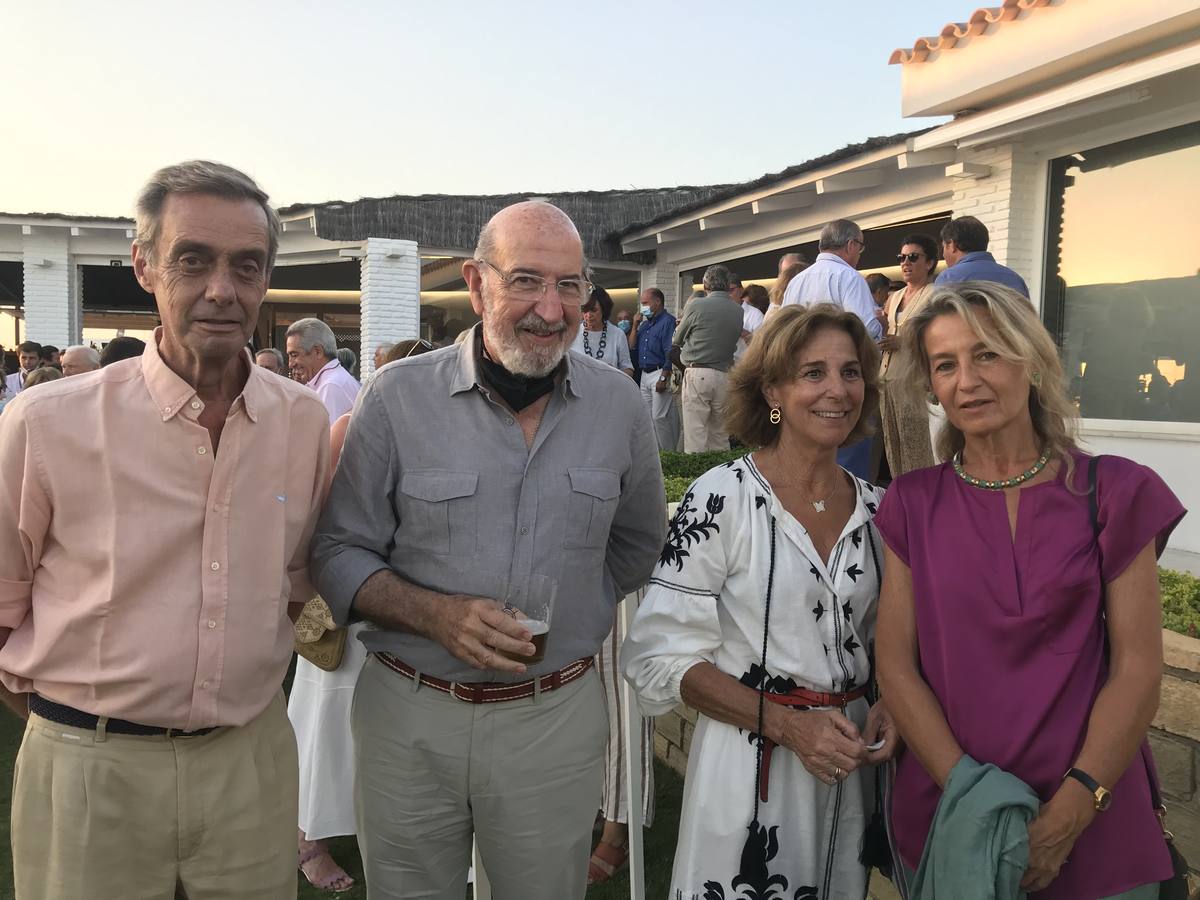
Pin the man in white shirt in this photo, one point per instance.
(312, 351)
(29, 354)
(834, 278)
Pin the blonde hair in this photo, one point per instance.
(789, 272)
(772, 359)
(1018, 336)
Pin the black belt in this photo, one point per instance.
(62, 714)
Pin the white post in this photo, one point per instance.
(48, 285)
(390, 307)
(632, 728)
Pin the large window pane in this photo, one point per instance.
(1123, 276)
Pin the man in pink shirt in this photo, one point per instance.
(312, 352)
(147, 631)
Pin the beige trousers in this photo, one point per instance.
(523, 776)
(703, 397)
(115, 817)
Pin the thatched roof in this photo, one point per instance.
(453, 221)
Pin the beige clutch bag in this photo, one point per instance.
(318, 639)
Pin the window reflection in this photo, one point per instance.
(1123, 276)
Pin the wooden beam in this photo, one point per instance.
(850, 181)
(968, 170)
(781, 202)
(740, 216)
(682, 233)
(914, 160)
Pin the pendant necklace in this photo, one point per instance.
(587, 347)
(1029, 473)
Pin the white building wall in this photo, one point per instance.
(51, 287)
(391, 297)
(1006, 201)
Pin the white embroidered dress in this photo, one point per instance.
(706, 603)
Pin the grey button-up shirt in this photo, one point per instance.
(437, 483)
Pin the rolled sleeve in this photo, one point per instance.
(299, 577)
(356, 529)
(860, 302)
(25, 513)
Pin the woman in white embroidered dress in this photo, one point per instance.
(761, 616)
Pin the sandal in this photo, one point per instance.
(607, 860)
(330, 877)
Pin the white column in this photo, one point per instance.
(1003, 200)
(391, 297)
(48, 285)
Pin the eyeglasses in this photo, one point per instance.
(530, 288)
(420, 342)
(909, 257)
(862, 244)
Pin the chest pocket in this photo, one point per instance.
(594, 496)
(438, 511)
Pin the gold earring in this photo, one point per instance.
(776, 415)
(1036, 379)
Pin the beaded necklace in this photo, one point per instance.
(587, 347)
(1031, 472)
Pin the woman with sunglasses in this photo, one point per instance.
(905, 422)
(598, 338)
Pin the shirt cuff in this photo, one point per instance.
(339, 579)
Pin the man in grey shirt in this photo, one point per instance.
(703, 347)
(467, 473)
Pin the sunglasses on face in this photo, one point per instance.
(909, 257)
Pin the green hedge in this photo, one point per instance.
(1180, 591)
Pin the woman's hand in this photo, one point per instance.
(881, 727)
(1054, 832)
(828, 744)
(888, 343)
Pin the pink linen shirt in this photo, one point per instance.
(337, 388)
(143, 575)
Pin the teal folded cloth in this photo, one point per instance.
(978, 845)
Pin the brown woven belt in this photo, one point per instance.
(491, 691)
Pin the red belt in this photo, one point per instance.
(491, 691)
(799, 697)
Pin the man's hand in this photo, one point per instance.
(637, 320)
(826, 742)
(663, 383)
(478, 632)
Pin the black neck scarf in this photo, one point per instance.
(518, 391)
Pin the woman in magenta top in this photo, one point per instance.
(991, 640)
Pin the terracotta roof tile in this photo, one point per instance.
(980, 21)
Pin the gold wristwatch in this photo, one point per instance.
(1102, 797)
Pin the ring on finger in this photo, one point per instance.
(838, 774)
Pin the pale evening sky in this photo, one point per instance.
(321, 101)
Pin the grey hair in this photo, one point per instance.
(314, 333)
(198, 176)
(280, 359)
(838, 233)
(347, 358)
(92, 354)
(717, 278)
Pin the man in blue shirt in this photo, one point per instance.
(650, 338)
(964, 247)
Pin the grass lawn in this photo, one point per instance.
(659, 843)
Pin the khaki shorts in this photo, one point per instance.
(118, 817)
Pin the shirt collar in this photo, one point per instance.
(976, 256)
(171, 394)
(328, 367)
(466, 370)
(833, 257)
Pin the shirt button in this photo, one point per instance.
(212, 623)
(195, 404)
(201, 450)
(166, 409)
(215, 566)
(524, 529)
(204, 684)
(508, 421)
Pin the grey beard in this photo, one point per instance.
(507, 351)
